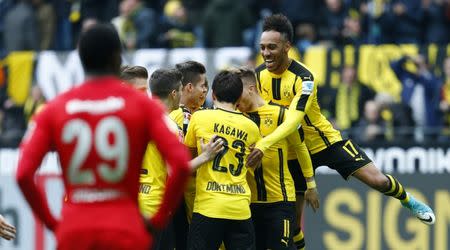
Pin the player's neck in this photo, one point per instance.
(91, 75)
(256, 103)
(225, 106)
(189, 105)
(168, 104)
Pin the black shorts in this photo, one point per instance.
(180, 227)
(209, 233)
(165, 239)
(343, 156)
(274, 225)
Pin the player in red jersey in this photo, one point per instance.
(100, 131)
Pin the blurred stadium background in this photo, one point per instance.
(383, 69)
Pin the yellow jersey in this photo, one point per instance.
(222, 190)
(153, 176)
(295, 88)
(182, 116)
(272, 182)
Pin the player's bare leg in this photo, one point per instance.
(390, 186)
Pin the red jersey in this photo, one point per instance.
(100, 130)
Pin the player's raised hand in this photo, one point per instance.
(214, 146)
(312, 198)
(254, 158)
(7, 231)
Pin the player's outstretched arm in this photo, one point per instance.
(209, 151)
(311, 194)
(293, 120)
(7, 231)
(294, 116)
(177, 158)
(295, 142)
(35, 145)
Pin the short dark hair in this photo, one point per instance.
(246, 73)
(128, 73)
(164, 81)
(191, 71)
(279, 23)
(99, 48)
(227, 86)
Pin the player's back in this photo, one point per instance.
(272, 182)
(222, 190)
(100, 131)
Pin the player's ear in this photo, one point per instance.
(173, 94)
(287, 46)
(252, 88)
(190, 86)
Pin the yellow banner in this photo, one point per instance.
(20, 67)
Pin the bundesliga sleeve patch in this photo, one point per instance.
(307, 87)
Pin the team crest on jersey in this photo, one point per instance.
(268, 121)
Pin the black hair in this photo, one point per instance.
(164, 81)
(191, 71)
(227, 87)
(279, 23)
(99, 48)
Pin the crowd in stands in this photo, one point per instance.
(422, 115)
(55, 24)
(359, 111)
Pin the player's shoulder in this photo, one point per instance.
(202, 114)
(176, 113)
(275, 105)
(246, 122)
(300, 70)
(260, 68)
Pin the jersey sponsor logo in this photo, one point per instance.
(96, 107)
(307, 87)
(225, 188)
(227, 130)
(87, 195)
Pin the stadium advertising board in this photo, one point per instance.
(351, 215)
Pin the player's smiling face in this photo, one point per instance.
(274, 50)
(200, 90)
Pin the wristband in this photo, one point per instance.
(311, 184)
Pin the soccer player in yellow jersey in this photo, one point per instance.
(193, 95)
(287, 82)
(166, 86)
(194, 90)
(222, 201)
(273, 191)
